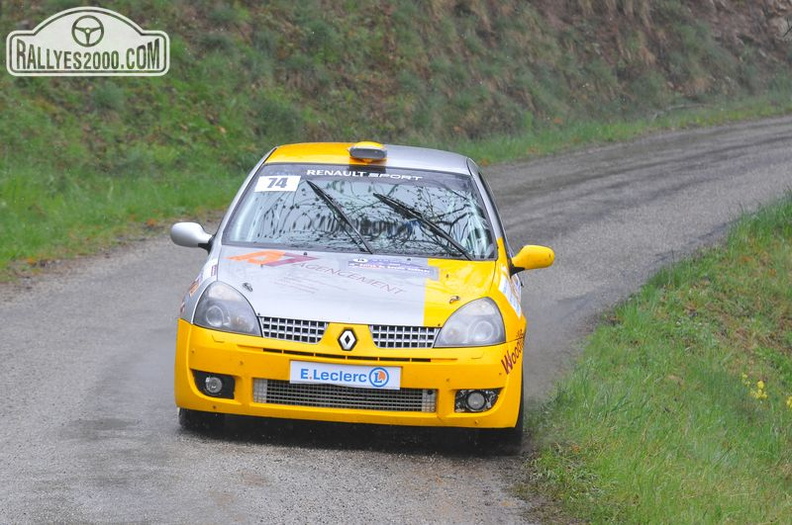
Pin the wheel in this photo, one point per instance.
(505, 441)
(512, 438)
(200, 421)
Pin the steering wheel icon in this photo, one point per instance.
(87, 31)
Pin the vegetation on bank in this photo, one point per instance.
(85, 161)
(680, 409)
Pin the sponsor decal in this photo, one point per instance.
(511, 357)
(386, 378)
(360, 173)
(87, 41)
(376, 283)
(511, 288)
(272, 258)
(277, 183)
(384, 264)
(379, 377)
(209, 270)
(194, 286)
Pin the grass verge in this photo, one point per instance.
(680, 409)
(48, 216)
(558, 136)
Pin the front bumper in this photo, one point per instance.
(434, 375)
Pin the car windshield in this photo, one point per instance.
(363, 209)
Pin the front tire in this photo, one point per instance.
(504, 441)
(198, 421)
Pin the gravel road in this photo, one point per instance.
(89, 430)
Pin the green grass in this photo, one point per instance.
(48, 216)
(663, 419)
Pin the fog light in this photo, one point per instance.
(475, 400)
(213, 385)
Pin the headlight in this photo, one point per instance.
(478, 323)
(223, 308)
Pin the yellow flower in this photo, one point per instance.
(789, 402)
(759, 393)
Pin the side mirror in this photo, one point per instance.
(191, 235)
(532, 257)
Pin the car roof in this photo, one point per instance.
(398, 157)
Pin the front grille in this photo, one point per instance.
(278, 392)
(298, 330)
(386, 336)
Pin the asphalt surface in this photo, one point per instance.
(89, 431)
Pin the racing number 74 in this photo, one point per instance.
(286, 183)
(278, 182)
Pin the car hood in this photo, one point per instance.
(352, 288)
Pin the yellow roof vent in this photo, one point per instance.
(368, 150)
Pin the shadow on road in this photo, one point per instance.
(347, 436)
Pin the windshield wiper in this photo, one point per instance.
(412, 213)
(339, 211)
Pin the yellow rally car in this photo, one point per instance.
(358, 283)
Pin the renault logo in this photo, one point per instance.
(347, 339)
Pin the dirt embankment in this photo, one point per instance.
(246, 74)
(699, 48)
